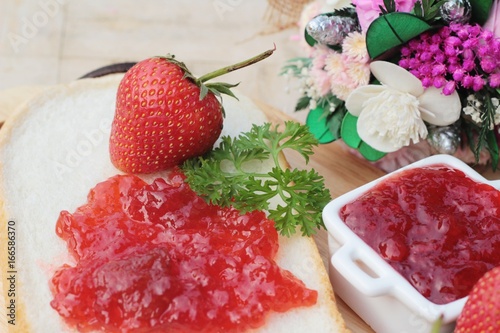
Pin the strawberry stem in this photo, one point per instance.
(236, 66)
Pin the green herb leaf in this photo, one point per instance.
(224, 177)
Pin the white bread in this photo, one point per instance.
(12, 98)
(53, 151)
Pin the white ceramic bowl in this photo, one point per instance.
(370, 286)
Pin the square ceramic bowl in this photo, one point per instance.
(370, 286)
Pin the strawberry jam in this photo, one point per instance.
(157, 258)
(434, 225)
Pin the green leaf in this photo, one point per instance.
(370, 153)
(480, 10)
(335, 120)
(492, 143)
(389, 6)
(429, 10)
(309, 39)
(221, 177)
(295, 136)
(302, 103)
(417, 9)
(391, 30)
(317, 120)
(219, 88)
(351, 138)
(349, 131)
(203, 91)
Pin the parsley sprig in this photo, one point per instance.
(238, 173)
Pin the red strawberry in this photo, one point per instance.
(481, 312)
(164, 115)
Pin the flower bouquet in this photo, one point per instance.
(399, 80)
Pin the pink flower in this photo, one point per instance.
(493, 22)
(320, 81)
(319, 54)
(369, 10)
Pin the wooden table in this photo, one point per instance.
(342, 172)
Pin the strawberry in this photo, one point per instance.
(481, 312)
(164, 115)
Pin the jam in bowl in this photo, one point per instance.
(408, 247)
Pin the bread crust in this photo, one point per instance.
(314, 261)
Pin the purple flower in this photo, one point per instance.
(459, 55)
(439, 82)
(467, 81)
(426, 81)
(488, 65)
(478, 83)
(449, 88)
(495, 80)
(458, 74)
(439, 70)
(453, 41)
(425, 56)
(440, 57)
(405, 51)
(468, 65)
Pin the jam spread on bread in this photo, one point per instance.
(436, 226)
(156, 257)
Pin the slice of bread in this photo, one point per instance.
(52, 152)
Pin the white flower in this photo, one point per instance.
(496, 104)
(392, 114)
(473, 108)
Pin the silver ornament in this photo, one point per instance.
(444, 139)
(331, 30)
(456, 11)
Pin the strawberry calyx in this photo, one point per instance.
(218, 88)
